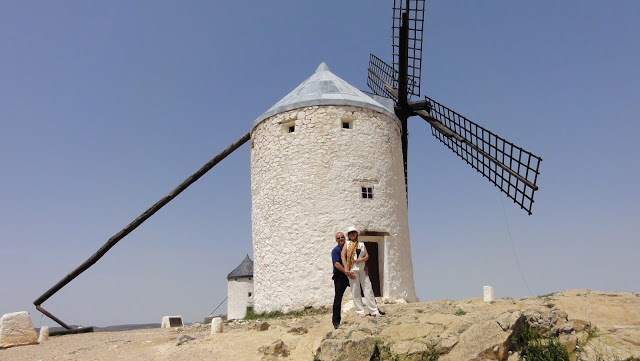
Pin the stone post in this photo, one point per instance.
(216, 325)
(489, 294)
(44, 334)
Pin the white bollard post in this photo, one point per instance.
(216, 325)
(489, 294)
(44, 334)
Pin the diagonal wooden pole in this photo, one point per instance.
(133, 225)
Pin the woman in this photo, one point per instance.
(354, 256)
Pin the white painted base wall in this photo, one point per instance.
(238, 298)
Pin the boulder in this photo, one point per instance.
(508, 320)
(275, 350)
(346, 350)
(184, 338)
(536, 321)
(412, 349)
(262, 326)
(580, 325)
(570, 341)
(556, 320)
(16, 329)
(298, 330)
(557, 316)
(481, 341)
(565, 327)
(446, 342)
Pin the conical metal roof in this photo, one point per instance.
(245, 269)
(324, 88)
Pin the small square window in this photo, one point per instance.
(249, 294)
(289, 127)
(347, 124)
(367, 192)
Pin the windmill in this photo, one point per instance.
(507, 166)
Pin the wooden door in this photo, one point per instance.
(372, 267)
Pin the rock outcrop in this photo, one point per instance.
(590, 325)
(474, 330)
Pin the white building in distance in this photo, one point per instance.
(240, 290)
(323, 158)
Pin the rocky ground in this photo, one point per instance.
(594, 325)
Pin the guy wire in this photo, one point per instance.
(513, 248)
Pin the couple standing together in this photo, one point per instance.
(349, 270)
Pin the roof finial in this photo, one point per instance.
(323, 67)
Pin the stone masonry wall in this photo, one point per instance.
(306, 186)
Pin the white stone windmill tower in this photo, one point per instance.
(327, 156)
(240, 290)
(324, 157)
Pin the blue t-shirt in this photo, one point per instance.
(336, 256)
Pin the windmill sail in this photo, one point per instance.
(512, 169)
(509, 167)
(382, 78)
(409, 13)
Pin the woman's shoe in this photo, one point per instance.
(377, 315)
(362, 314)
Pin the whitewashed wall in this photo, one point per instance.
(305, 186)
(238, 298)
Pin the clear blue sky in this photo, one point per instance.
(107, 106)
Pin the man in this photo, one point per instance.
(340, 279)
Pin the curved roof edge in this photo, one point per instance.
(325, 88)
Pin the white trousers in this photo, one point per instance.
(362, 280)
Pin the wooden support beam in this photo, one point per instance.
(374, 233)
(137, 222)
